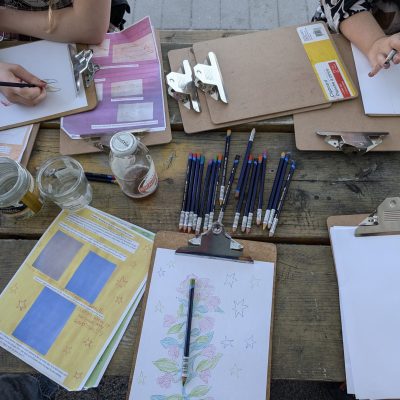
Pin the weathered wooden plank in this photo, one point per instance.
(307, 342)
(324, 185)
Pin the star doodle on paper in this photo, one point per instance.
(235, 371)
(78, 375)
(118, 300)
(250, 342)
(122, 282)
(14, 288)
(67, 349)
(255, 282)
(227, 342)
(239, 308)
(142, 378)
(161, 272)
(230, 279)
(88, 342)
(159, 307)
(21, 305)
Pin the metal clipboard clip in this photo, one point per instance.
(353, 142)
(182, 88)
(385, 220)
(208, 78)
(82, 64)
(215, 243)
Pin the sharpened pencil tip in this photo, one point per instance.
(228, 132)
(183, 381)
(233, 230)
(283, 154)
(264, 226)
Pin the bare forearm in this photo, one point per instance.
(362, 30)
(85, 22)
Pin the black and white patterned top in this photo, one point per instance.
(386, 12)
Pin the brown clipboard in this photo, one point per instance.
(172, 240)
(90, 92)
(194, 122)
(345, 220)
(345, 116)
(265, 72)
(70, 146)
(29, 145)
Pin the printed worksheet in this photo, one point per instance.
(63, 311)
(128, 85)
(230, 335)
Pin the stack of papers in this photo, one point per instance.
(369, 276)
(13, 142)
(128, 85)
(67, 307)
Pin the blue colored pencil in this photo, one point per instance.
(242, 192)
(272, 194)
(244, 164)
(198, 191)
(189, 197)
(261, 190)
(278, 189)
(250, 189)
(185, 192)
(282, 198)
(194, 192)
(254, 195)
(212, 210)
(203, 198)
(210, 194)
(225, 166)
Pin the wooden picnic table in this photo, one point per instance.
(307, 341)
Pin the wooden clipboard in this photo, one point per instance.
(194, 122)
(347, 116)
(90, 92)
(29, 145)
(70, 146)
(172, 240)
(264, 73)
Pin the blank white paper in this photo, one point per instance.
(380, 94)
(46, 60)
(230, 335)
(368, 270)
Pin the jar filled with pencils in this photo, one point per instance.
(19, 197)
(132, 165)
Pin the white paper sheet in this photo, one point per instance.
(368, 271)
(13, 142)
(380, 94)
(230, 336)
(46, 60)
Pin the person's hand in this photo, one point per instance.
(25, 96)
(380, 50)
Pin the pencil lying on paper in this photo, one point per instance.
(244, 164)
(261, 191)
(185, 192)
(282, 198)
(241, 196)
(193, 195)
(228, 188)
(278, 190)
(250, 189)
(186, 349)
(215, 188)
(254, 195)
(203, 198)
(272, 194)
(189, 195)
(225, 166)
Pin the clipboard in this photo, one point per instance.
(89, 89)
(29, 145)
(346, 117)
(194, 122)
(275, 71)
(216, 245)
(70, 146)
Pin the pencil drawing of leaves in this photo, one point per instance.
(166, 365)
(175, 397)
(175, 328)
(208, 364)
(202, 342)
(199, 391)
(169, 342)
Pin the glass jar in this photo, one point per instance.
(132, 165)
(19, 198)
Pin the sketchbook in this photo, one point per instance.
(368, 277)
(231, 327)
(48, 61)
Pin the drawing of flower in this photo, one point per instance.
(203, 353)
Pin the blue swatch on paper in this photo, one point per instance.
(44, 321)
(90, 277)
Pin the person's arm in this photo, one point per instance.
(86, 21)
(25, 96)
(363, 30)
